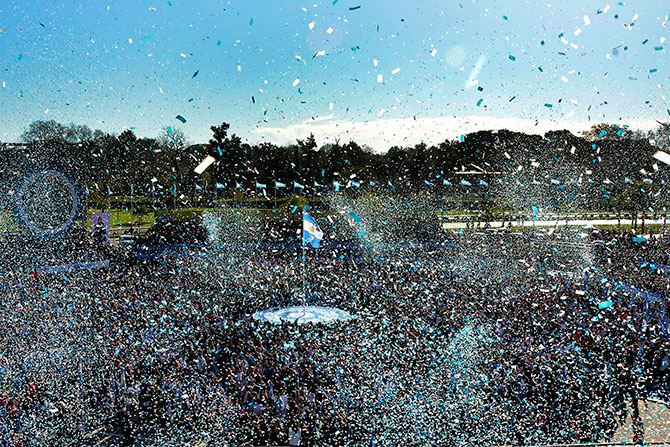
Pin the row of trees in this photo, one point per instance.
(605, 166)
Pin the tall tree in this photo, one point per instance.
(216, 143)
(172, 142)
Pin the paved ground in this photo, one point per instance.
(656, 420)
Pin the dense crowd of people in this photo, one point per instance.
(459, 338)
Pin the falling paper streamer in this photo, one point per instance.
(204, 164)
(662, 157)
(472, 79)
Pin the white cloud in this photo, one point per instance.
(381, 134)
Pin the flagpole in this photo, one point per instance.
(302, 245)
(304, 291)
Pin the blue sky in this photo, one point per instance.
(130, 64)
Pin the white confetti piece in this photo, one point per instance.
(329, 30)
(379, 78)
(296, 82)
(395, 71)
(587, 21)
(662, 157)
(204, 164)
(311, 25)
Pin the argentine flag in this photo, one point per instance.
(311, 233)
(298, 185)
(219, 185)
(280, 185)
(260, 185)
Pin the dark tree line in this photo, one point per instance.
(606, 168)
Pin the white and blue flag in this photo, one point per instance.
(311, 233)
(280, 185)
(298, 185)
(219, 185)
